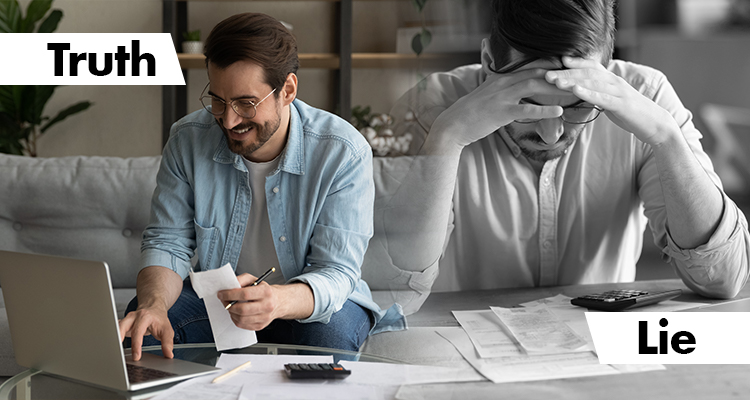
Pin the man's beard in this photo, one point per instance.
(568, 138)
(263, 134)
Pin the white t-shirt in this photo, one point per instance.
(258, 252)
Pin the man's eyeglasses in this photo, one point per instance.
(573, 114)
(243, 107)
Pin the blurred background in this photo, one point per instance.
(703, 46)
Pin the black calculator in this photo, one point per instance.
(316, 371)
(618, 300)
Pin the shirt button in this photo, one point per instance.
(17, 226)
(282, 239)
(127, 232)
(276, 189)
(547, 244)
(546, 181)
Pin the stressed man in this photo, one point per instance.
(546, 161)
(258, 179)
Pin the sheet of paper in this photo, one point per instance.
(265, 379)
(226, 334)
(263, 368)
(486, 333)
(201, 390)
(527, 367)
(539, 331)
(321, 390)
(372, 373)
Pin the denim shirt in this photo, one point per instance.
(319, 199)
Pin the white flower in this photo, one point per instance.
(409, 116)
(387, 132)
(368, 133)
(377, 120)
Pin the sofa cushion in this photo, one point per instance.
(84, 207)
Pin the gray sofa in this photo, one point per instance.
(97, 207)
(82, 207)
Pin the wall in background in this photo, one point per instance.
(126, 120)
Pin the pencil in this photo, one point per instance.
(230, 373)
(257, 281)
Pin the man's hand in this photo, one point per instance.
(257, 306)
(157, 290)
(495, 103)
(625, 106)
(148, 321)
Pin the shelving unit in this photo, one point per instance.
(359, 60)
(174, 103)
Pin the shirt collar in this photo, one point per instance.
(291, 158)
(512, 146)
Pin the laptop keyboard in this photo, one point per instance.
(137, 373)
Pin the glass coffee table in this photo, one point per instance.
(34, 384)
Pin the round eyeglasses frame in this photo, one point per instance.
(592, 116)
(242, 112)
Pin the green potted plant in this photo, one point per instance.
(192, 42)
(22, 107)
(422, 39)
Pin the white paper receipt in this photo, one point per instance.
(537, 330)
(226, 334)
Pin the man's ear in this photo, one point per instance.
(289, 91)
(488, 60)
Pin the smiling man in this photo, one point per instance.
(258, 179)
(546, 161)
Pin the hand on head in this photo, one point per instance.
(496, 103)
(590, 81)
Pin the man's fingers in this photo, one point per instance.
(246, 279)
(135, 345)
(124, 326)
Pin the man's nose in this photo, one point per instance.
(550, 129)
(230, 118)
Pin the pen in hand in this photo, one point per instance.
(257, 281)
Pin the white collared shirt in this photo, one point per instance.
(582, 219)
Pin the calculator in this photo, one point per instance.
(618, 300)
(316, 371)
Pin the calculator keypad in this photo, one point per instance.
(615, 295)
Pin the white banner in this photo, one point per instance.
(89, 59)
(671, 338)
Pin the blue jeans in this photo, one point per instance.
(347, 329)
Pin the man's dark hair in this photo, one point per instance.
(550, 29)
(254, 37)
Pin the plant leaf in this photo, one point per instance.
(426, 38)
(74, 109)
(10, 16)
(34, 12)
(416, 43)
(419, 4)
(27, 105)
(7, 104)
(421, 40)
(50, 24)
(41, 97)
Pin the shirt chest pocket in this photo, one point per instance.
(206, 240)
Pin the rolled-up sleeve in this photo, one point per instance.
(718, 268)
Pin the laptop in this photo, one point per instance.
(63, 321)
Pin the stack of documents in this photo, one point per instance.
(543, 339)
